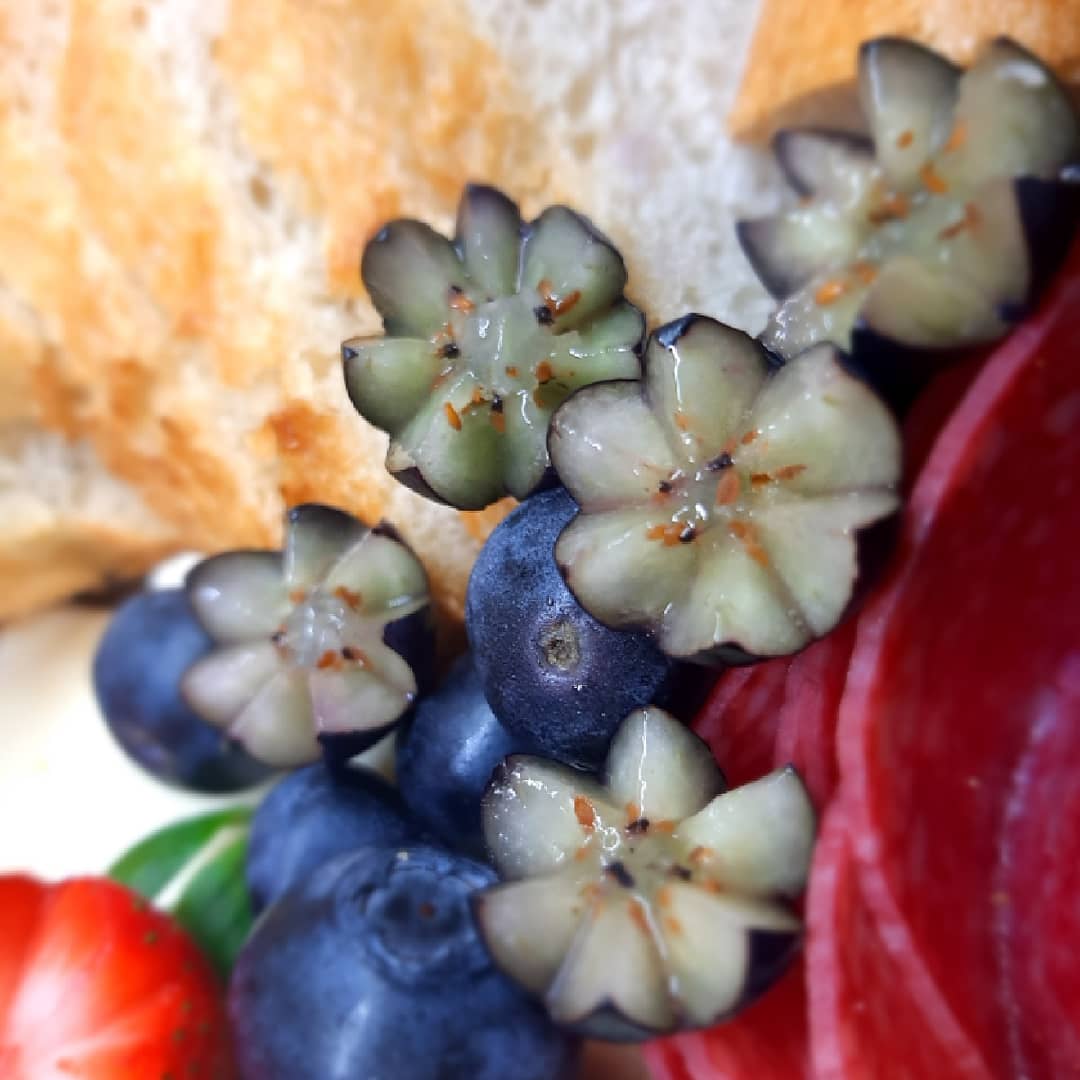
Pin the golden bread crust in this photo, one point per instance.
(800, 50)
(41, 565)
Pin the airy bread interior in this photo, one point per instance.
(188, 186)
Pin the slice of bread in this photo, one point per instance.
(188, 186)
(68, 525)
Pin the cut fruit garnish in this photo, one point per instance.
(650, 900)
(941, 191)
(305, 635)
(907, 93)
(817, 161)
(486, 335)
(722, 499)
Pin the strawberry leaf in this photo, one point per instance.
(194, 869)
(161, 857)
(215, 908)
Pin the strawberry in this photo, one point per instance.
(97, 985)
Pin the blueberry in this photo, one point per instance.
(446, 752)
(151, 641)
(312, 816)
(552, 673)
(372, 968)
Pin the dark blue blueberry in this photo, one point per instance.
(313, 816)
(372, 969)
(151, 641)
(554, 675)
(446, 751)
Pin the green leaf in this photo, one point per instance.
(215, 908)
(159, 858)
(195, 870)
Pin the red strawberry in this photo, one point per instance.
(97, 985)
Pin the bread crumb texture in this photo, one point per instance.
(800, 53)
(187, 188)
